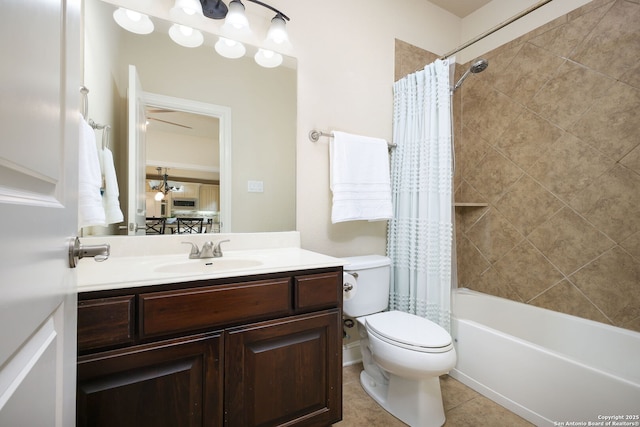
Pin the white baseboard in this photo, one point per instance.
(351, 353)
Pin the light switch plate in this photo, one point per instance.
(255, 186)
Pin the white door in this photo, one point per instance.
(136, 140)
(39, 122)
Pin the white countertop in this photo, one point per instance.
(140, 261)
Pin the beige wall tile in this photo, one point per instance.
(570, 93)
(562, 40)
(503, 235)
(490, 282)
(611, 125)
(527, 72)
(566, 298)
(527, 271)
(474, 263)
(632, 160)
(604, 49)
(527, 204)
(569, 166)
(472, 149)
(493, 176)
(612, 282)
(632, 245)
(569, 241)
(410, 58)
(489, 113)
(528, 138)
(612, 203)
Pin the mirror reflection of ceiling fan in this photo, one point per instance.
(163, 110)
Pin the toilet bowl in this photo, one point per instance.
(403, 354)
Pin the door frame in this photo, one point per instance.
(223, 114)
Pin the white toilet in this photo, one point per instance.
(403, 354)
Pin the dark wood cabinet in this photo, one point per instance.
(250, 351)
(163, 384)
(284, 372)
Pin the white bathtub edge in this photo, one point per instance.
(501, 400)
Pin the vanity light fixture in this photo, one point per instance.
(185, 36)
(236, 26)
(236, 20)
(133, 21)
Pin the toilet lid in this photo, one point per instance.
(408, 330)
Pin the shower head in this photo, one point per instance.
(477, 67)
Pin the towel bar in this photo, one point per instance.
(314, 136)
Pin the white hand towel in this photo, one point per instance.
(360, 179)
(90, 209)
(110, 200)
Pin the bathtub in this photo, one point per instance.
(548, 367)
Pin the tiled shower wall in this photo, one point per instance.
(548, 137)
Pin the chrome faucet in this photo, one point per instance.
(209, 250)
(217, 250)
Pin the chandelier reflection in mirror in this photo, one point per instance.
(236, 26)
(163, 187)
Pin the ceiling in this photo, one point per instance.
(460, 8)
(180, 122)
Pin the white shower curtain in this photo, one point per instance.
(420, 233)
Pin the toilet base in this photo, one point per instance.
(416, 403)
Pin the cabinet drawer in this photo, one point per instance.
(317, 291)
(105, 322)
(199, 308)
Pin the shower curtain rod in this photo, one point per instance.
(496, 28)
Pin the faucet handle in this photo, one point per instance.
(195, 252)
(217, 250)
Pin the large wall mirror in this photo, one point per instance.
(262, 105)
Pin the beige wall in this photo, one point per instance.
(548, 136)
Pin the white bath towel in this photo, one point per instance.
(110, 196)
(360, 180)
(90, 209)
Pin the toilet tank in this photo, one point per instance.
(371, 292)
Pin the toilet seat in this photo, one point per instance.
(409, 331)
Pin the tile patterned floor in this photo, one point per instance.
(463, 406)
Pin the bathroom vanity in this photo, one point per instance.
(260, 346)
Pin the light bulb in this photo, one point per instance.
(186, 36)
(133, 21)
(268, 58)
(236, 23)
(236, 16)
(187, 7)
(159, 196)
(230, 48)
(277, 31)
(133, 15)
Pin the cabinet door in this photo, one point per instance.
(169, 383)
(284, 372)
(209, 197)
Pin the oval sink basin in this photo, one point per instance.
(207, 265)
